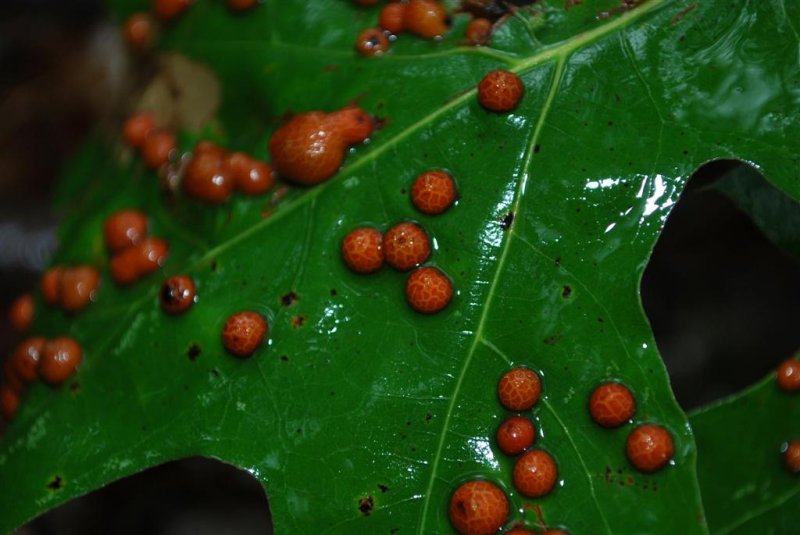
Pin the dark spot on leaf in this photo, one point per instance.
(507, 220)
(381, 122)
(428, 417)
(298, 431)
(298, 321)
(285, 358)
(553, 339)
(394, 530)
(600, 320)
(403, 191)
(193, 352)
(75, 387)
(566, 292)
(408, 422)
(536, 149)
(366, 505)
(214, 265)
(493, 9)
(333, 292)
(383, 488)
(289, 299)
(629, 481)
(56, 484)
(214, 372)
(558, 261)
(685, 152)
(607, 475)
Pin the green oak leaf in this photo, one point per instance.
(356, 396)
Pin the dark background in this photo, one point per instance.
(722, 300)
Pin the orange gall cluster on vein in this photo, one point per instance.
(406, 245)
(427, 19)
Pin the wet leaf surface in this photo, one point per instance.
(360, 414)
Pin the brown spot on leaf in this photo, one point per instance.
(553, 339)
(289, 299)
(366, 505)
(298, 321)
(193, 352)
(56, 483)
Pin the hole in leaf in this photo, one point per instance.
(722, 288)
(194, 495)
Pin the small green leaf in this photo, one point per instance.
(745, 485)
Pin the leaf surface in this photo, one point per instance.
(745, 485)
(357, 398)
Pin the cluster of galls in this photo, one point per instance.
(71, 288)
(156, 145)
(480, 507)
(406, 245)
(649, 447)
(425, 18)
(53, 361)
(212, 174)
(140, 29)
(307, 150)
(134, 254)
